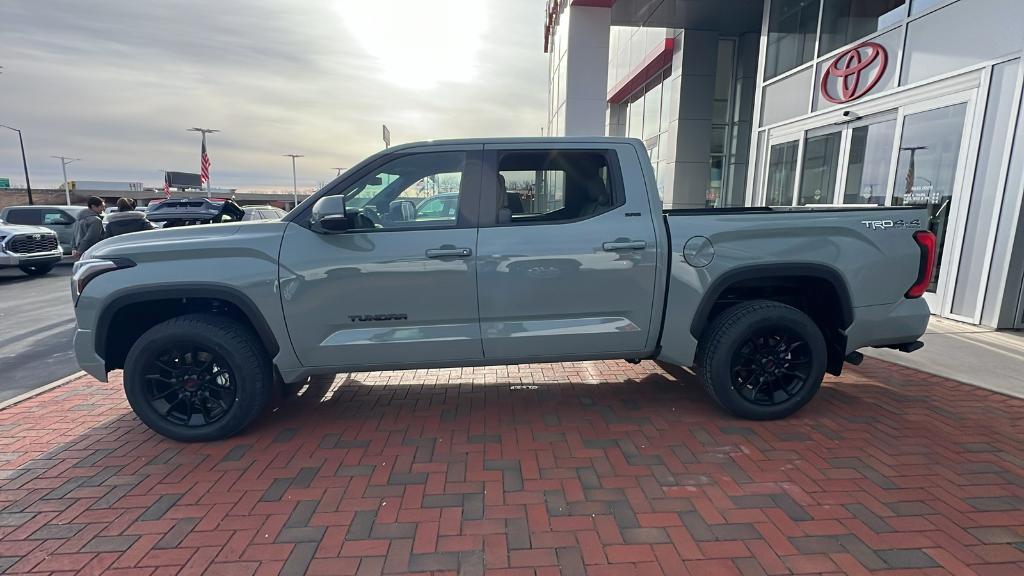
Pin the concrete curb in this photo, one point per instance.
(41, 389)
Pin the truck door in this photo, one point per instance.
(567, 255)
(401, 287)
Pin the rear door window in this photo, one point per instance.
(554, 186)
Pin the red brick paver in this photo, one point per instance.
(596, 468)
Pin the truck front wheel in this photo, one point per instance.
(762, 360)
(198, 377)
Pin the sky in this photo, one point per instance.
(117, 82)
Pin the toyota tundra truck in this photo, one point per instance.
(554, 249)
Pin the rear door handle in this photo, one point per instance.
(628, 245)
(449, 253)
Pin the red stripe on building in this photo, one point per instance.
(652, 65)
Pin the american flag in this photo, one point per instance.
(167, 186)
(204, 165)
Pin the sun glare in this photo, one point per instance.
(418, 43)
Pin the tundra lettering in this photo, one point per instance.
(377, 317)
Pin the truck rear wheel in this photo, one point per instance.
(198, 377)
(762, 360)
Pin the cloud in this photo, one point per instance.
(117, 82)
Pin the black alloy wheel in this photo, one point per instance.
(771, 367)
(190, 385)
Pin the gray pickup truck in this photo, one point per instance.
(555, 250)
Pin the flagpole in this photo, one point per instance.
(204, 132)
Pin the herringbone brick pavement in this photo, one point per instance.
(596, 468)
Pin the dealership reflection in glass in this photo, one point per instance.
(926, 171)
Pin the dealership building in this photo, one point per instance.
(827, 102)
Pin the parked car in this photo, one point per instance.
(60, 219)
(175, 212)
(262, 213)
(34, 249)
(440, 206)
(761, 302)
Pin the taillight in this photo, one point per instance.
(927, 243)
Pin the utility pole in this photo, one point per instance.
(24, 163)
(204, 159)
(64, 161)
(295, 187)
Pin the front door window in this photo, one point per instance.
(929, 156)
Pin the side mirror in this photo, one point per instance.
(329, 215)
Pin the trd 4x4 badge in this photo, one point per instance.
(887, 224)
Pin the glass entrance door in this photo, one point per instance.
(928, 173)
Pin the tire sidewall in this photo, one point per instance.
(734, 336)
(245, 371)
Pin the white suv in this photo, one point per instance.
(34, 249)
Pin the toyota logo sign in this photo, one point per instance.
(850, 69)
(37, 236)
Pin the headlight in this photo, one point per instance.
(88, 268)
(2, 238)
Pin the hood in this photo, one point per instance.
(124, 216)
(162, 239)
(12, 229)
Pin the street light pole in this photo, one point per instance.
(204, 132)
(64, 161)
(339, 171)
(24, 163)
(295, 186)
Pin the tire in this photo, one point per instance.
(762, 360)
(198, 378)
(36, 269)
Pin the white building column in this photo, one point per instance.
(693, 89)
(586, 76)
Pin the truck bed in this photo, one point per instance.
(868, 253)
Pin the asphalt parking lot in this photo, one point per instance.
(38, 324)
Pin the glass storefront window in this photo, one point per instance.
(782, 174)
(867, 173)
(845, 21)
(636, 117)
(918, 6)
(820, 169)
(652, 109)
(792, 26)
(926, 171)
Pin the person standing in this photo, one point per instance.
(88, 227)
(127, 219)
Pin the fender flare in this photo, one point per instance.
(767, 272)
(183, 292)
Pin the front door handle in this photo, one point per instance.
(449, 252)
(626, 245)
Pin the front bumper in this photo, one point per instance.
(8, 259)
(85, 353)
